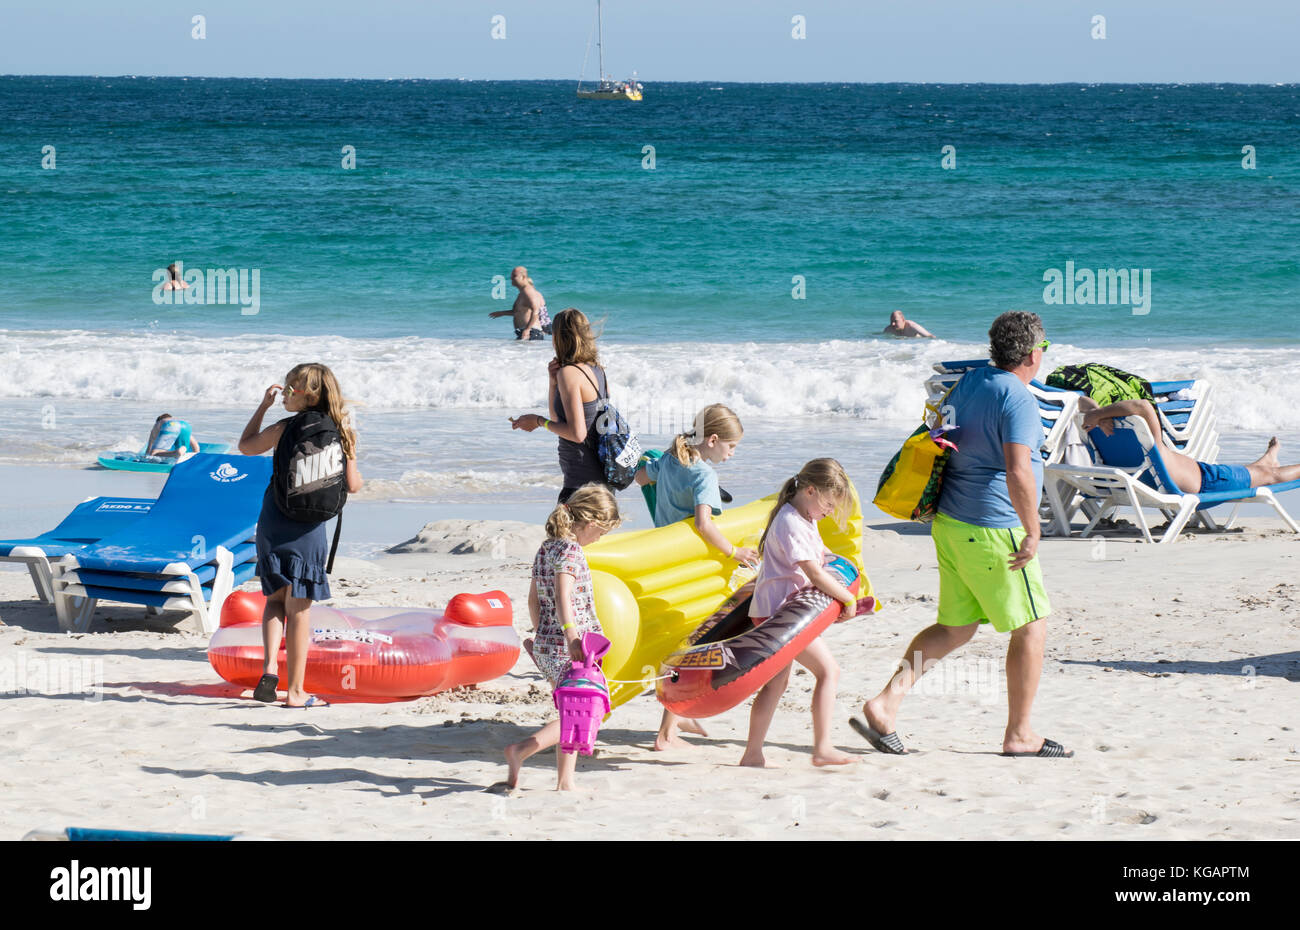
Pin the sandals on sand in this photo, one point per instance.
(891, 744)
(312, 701)
(1050, 750)
(265, 690)
(882, 742)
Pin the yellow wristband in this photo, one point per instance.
(567, 626)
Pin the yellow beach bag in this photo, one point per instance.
(910, 484)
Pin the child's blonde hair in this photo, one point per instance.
(829, 478)
(714, 419)
(591, 503)
(323, 394)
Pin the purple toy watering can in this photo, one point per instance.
(583, 697)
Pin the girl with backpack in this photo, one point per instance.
(314, 470)
(575, 390)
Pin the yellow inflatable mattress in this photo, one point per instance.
(654, 587)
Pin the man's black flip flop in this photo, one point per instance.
(888, 743)
(1051, 749)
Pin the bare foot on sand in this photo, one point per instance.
(515, 761)
(691, 726)
(755, 760)
(670, 741)
(833, 757)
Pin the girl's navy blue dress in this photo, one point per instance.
(291, 553)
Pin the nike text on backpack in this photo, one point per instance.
(309, 480)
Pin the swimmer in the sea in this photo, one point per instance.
(900, 326)
(532, 321)
(174, 280)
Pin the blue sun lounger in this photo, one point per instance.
(94, 835)
(89, 522)
(189, 552)
(1132, 473)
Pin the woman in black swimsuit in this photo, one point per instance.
(577, 381)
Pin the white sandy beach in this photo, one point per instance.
(1171, 670)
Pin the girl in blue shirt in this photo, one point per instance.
(686, 487)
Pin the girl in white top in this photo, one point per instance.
(793, 558)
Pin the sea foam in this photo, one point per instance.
(659, 387)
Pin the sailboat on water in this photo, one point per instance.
(607, 88)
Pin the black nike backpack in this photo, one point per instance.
(309, 473)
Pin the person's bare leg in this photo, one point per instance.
(817, 659)
(566, 763)
(1024, 669)
(667, 736)
(929, 646)
(1267, 470)
(760, 718)
(516, 753)
(273, 631)
(297, 643)
(1270, 456)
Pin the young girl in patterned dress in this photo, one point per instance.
(562, 609)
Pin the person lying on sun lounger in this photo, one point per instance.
(1191, 476)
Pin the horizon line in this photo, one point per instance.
(465, 80)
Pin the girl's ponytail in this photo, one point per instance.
(559, 525)
(683, 451)
(714, 420)
(591, 503)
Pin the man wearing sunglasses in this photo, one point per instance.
(986, 537)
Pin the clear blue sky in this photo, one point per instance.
(939, 41)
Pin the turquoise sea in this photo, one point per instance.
(740, 243)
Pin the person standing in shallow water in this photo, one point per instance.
(576, 382)
(531, 318)
(986, 536)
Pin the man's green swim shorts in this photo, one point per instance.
(974, 581)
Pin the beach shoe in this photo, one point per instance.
(1050, 750)
(312, 701)
(888, 743)
(265, 690)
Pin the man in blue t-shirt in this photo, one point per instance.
(986, 537)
